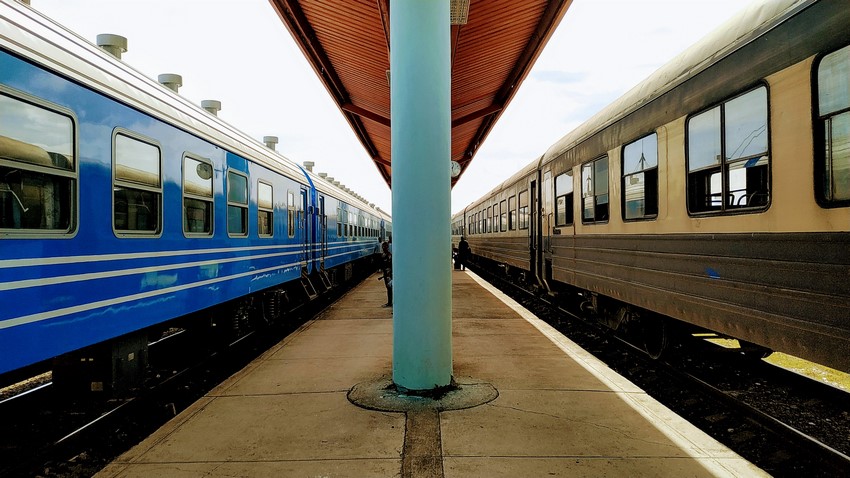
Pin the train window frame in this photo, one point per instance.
(568, 201)
(648, 177)
(138, 186)
(266, 210)
(701, 181)
(591, 190)
(523, 209)
(503, 211)
(197, 196)
(823, 174)
(290, 214)
(235, 204)
(71, 175)
(512, 213)
(338, 221)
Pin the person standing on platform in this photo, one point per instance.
(387, 268)
(463, 252)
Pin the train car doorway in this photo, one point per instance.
(323, 233)
(306, 233)
(533, 227)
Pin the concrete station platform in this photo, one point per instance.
(559, 411)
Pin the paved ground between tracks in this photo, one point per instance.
(559, 411)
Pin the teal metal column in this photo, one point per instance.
(420, 72)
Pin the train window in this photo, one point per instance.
(833, 129)
(488, 220)
(237, 204)
(290, 213)
(338, 222)
(523, 209)
(38, 178)
(594, 190)
(563, 199)
(503, 213)
(197, 196)
(640, 178)
(265, 209)
(512, 213)
(137, 190)
(728, 155)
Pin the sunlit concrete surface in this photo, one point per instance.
(559, 412)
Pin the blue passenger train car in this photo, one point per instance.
(123, 206)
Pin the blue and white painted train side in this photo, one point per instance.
(92, 278)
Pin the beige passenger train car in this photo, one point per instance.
(716, 192)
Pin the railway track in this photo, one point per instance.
(786, 424)
(51, 436)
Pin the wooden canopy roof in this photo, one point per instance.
(347, 43)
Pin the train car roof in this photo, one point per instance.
(528, 169)
(525, 171)
(757, 19)
(324, 186)
(39, 39)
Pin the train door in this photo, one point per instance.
(533, 227)
(323, 232)
(547, 220)
(306, 233)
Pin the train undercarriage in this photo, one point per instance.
(119, 367)
(649, 331)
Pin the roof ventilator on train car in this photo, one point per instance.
(271, 142)
(213, 106)
(172, 81)
(115, 45)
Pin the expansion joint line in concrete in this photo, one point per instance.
(422, 455)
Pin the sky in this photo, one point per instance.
(240, 53)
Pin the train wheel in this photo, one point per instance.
(754, 351)
(654, 329)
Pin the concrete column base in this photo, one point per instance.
(384, 395)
